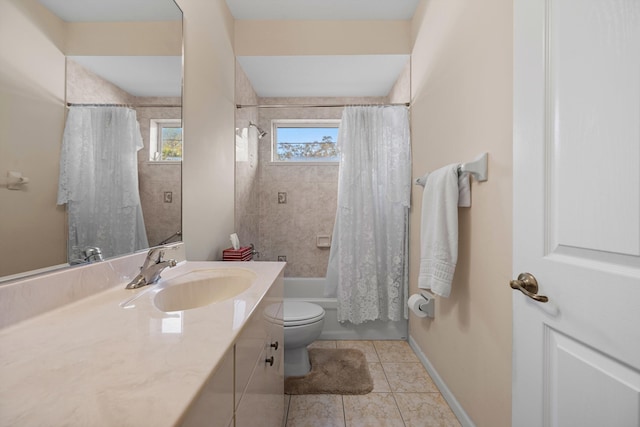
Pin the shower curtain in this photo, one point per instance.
(99, 181)
(368, 260)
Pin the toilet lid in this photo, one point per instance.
(301, 313)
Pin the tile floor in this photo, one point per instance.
(403, 394)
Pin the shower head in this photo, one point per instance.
(261, 133)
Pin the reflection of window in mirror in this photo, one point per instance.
(165, 140)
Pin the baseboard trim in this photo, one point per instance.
(444, 390)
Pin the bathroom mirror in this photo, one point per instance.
(78, 52)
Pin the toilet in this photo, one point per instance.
(303, 323)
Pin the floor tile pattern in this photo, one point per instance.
(403, 395)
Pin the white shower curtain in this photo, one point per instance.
(367, 269)
(99, 181)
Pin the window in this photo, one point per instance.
(305, 141)
(165, 143)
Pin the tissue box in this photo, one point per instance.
(242, 254)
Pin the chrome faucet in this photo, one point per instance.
(89, 254)
(93, 254)
(150, 271)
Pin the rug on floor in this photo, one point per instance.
(333, 371)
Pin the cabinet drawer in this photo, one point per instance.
(254, 343)
(262, 403)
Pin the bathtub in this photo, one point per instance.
(312, 290)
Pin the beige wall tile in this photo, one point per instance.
(372, 410)
(408, 377)
(322, 344)
(366, 347)
(161, 219)
(395, 351)
(290, 229)
(380, 383)
(318, 410)
(425, 410)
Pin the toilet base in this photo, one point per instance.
(296, 362)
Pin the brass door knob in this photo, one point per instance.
(528, 285)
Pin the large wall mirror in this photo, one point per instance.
(64, 54)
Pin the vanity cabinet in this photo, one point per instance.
(260, 365)
(214, 405)
(247, 387)
(205, 366)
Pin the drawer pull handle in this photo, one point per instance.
(269, 361)
(274, 345)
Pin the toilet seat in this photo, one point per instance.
(297, 313)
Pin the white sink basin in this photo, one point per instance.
(199, 288)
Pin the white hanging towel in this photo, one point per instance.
(439, 230)
(464, 191)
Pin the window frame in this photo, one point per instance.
(297, 123)
(155, 139)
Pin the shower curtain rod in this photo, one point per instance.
(239, 106)
(71, 104)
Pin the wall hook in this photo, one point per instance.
(15, 180)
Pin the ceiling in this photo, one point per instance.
(138, 75)
(330, 10)
(333, 76)
(114, 10)
(318, 76)
(271, 76)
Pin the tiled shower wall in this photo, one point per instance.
(247, 208)
(290, 229)
(161, 218)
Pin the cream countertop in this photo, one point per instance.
(96, 363)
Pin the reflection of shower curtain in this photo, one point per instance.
(367, 269)
(99, 181)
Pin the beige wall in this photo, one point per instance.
(208, 113)
(124, 38)
(461, 106)
(259, 38)
(32, 66)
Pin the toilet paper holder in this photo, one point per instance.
(427, 307)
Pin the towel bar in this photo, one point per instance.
(477, 168)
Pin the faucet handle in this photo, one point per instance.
(151, 255)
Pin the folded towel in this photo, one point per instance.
(439, 230)
(464, 191)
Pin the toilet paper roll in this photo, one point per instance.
(415, 301)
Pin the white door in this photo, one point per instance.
(576, 358)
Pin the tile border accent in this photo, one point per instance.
(457, 409)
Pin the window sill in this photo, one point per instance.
(173, 162)
(304, 163)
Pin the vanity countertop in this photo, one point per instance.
(96, 363)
